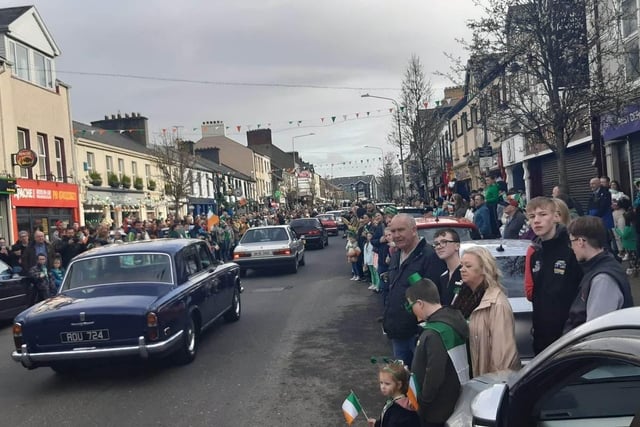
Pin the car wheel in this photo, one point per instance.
(233, 314)
(301, 262)
(189, 345)
(294, 266)
(243, 272)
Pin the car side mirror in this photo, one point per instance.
(486, 406)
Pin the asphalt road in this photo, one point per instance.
(303, 342)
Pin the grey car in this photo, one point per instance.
(510, 256)
(270, 247)
(588, 377)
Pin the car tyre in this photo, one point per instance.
(294, 266)
(243, 272)
(189, 344)
(233, 314)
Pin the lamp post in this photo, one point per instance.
(293, 153)
(366, 95)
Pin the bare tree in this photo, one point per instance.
(549, 69)
(176, 160)
(388, 177)
(421, 126)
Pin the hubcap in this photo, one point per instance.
(191, 337)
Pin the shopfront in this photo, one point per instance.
(40, 204)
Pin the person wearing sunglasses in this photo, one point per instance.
(440, 363)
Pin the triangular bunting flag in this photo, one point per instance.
(357, 115)
(238, 127)
(333, 119)
(121, 131)
(92, 132)
(322, 119)
(344, 116)
(368, 112)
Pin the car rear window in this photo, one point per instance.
(463, 232)
(303, 223)
(512, 268)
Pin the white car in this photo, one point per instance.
(269, 247)
(588, 377)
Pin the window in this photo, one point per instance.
(147, 172)
(120, 168)
(109, 165)
(602, 391)
(42, 157)
(629, 17)
(134, 169)
(42, 68)
(59, 149)
(20, 56)
(91, 162)
(632, 60)
(23, 142)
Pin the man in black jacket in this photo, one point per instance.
(414, 255)
(440, 364)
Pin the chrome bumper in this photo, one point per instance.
(142, 350)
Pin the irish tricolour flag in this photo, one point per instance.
(413, 392)
(351, 407)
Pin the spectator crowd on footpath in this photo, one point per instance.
(445, 312)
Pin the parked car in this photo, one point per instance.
(329, 222)
(269, 247)
(588, 377)
(15, 292)
(510, 257)
(311, 231)
(427, 227)
(148, 299)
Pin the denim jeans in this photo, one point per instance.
(403, 349)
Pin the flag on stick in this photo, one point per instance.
(413, 392)
(351, 407)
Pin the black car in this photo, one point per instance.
(311, 231)
(140, 299)
(15, 292)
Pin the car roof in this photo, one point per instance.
(167, 246)
(444, 222)
(499, 247)
(262, 227)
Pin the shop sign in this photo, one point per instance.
(30, 193)
(7, 186)
(26, 158)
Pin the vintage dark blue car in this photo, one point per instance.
(139, 299)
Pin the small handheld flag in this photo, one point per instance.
(413, 392)
(351, 407)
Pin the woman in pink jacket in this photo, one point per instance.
(492, 338)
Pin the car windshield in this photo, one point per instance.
(512, 268)
(121, 268)
(463, 232)
(256, 235)
(309, 222)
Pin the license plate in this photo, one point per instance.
(82, 336)
(261, 253)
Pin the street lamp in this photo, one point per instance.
(366, 95)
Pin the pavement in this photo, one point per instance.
(634, 281)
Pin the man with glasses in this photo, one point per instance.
(605, 286)
(446, 242)
(414, 255)
(440, 364)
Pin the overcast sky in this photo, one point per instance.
(331, 51)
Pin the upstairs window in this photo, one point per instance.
(42, 157)
(629, 17)
(59, 149)
(120, 168)
(19, 55)
(42, 68)
(31, 65)
(91, 161)
(109, 160)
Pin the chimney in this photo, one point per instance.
(137, 126)
(213, 128)
(259, 137)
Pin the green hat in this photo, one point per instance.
(414, 278)
(390, 210)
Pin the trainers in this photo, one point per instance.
(625, 257)
(354, 278)
(372, 288)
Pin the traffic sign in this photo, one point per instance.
(485, 151)
(485, 162)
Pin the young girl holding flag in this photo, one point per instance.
(397, 411)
